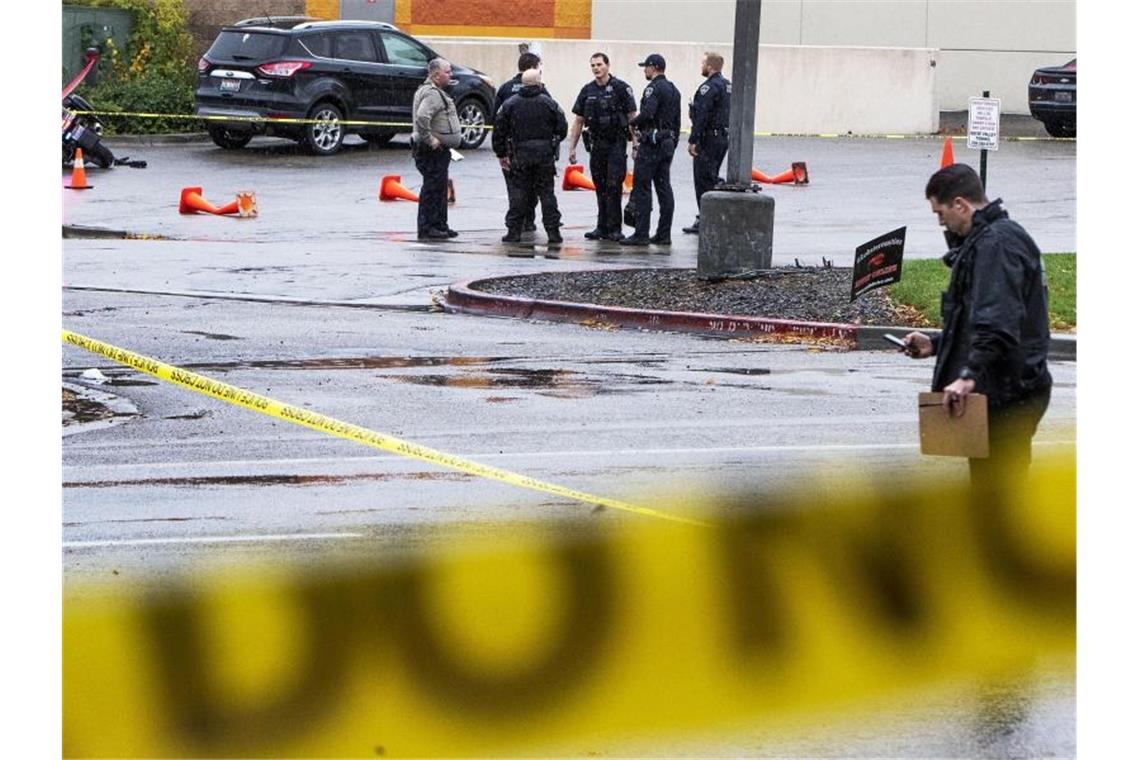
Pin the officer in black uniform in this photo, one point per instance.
(507, 89)
(708, 139)
(528, 130)
(658, 124)
(605, 107)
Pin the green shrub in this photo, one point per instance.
(156, 74)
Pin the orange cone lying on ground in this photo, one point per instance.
(246, 204)
(392, 190)
(78, 173)
(759, 176)
(191, 202)
(947, 153)
(574, 179)
(800, 172)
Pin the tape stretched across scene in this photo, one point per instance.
(490, 127)
(319, 422)
(553, 639)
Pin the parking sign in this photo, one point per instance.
(984, 124)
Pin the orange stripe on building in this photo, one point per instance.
(326, 9)
(477, 13)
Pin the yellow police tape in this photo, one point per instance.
(321, 423)
(489, 127)
(576, 639)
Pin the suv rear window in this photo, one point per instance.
(246, 46)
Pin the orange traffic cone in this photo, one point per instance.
(574, 179)
(759, 176)
(783, 178)
(191, 202)
(627, 185)
(947, 153)
(246, 204)
(392, 190)
(800, 172)
(78, 173)
(450, 191)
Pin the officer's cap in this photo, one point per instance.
(655, 60)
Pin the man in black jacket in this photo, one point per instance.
(708, 138)
(508, 88)
(528, 130)
(658, 124)
(995, 323)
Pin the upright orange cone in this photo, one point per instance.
(78, 173)
(392, 190)
(947, 153)
(191, 202)
(574, 179)
(627, 185)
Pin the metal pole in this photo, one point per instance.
(985, 94)
(742, 115)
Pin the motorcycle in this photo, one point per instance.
(85, 131)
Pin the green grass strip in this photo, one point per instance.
(923, 281)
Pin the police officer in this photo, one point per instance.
(605, 107)
(511, 87)
(528, 130)
(658, 123)
(708, 140)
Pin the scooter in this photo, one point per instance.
(84, 130)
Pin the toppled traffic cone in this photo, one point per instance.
(759, 176)
(246, 204)
(627, 185)
(800, 172)
(191, 202)
(450, 191)
(78, 173)
(783, 177)
(947, 153)
(573, 178)
(392, 190)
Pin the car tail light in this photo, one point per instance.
(203, 64)
(282, 68)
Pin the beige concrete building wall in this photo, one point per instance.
(801, 89)
(984, 44)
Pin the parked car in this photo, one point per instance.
(1053, 98)
(267, 74)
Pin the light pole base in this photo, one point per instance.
(736, 234)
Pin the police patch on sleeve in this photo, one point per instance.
(704, 89)
(629, 90)
(648, 92)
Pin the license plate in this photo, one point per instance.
(231, 85)
(1064, 97)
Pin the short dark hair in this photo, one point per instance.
(956, 181)
(528, 61)
(603, 56)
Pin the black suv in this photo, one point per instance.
(336, 76)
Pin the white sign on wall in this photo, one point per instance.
(984, 124)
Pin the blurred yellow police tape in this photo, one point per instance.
(561, 637)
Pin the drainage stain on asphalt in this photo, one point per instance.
(558, 383)
(270, 480)
(211, 336)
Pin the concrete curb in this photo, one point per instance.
(462, 297)
(170, 138)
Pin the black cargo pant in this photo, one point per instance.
(432, 165)
(607, 170)
(525, 185)
(1011, 429)
(706, 164)
(528, 218)
(652, 166)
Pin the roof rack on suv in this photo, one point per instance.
(274, 22)
(317, 24)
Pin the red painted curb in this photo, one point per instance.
(462, 297)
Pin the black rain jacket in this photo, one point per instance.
(995, 312)
(528, 128)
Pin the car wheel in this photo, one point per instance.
(1061, 128)
(326, 132)
(101, 156)
(229, 139)
(472, 120)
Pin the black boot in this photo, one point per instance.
(512, 236)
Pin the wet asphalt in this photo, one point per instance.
(326, 301)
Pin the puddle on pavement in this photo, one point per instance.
(211, 336)
(733, 370)
(271, 480)
(351, 362)
(558, 383)
(77, 410)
